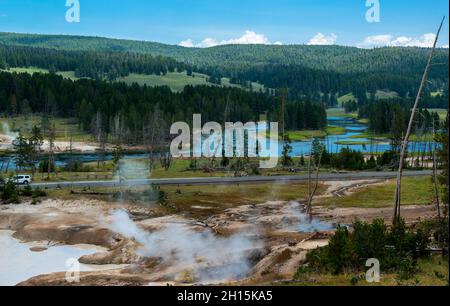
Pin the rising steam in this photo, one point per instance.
(6, 130)
(212, 258)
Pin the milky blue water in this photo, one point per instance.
(18, 263)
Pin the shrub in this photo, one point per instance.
(27, 191)
(254, 169)
(372, 163)
(369, 239)
(44, 164)
(407, 267)
(348, 159)
(74, 166)
(39, 193)
(10, 194)
(339, 250)
(397, 249)
(438, 229)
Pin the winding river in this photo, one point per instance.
(334, 144)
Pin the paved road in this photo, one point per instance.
(233, 180)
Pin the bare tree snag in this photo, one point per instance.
(51, 143)
(312, 192)
(408, 132)
(435, 176)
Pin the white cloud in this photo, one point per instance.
(376, 41)
(445, 46)
(321, 39)
(188, 43)
(208, 42)
(425, 41)
(249, 37)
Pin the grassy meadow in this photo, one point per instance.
(65, 127)
(415, 191)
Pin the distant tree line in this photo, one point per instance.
(118, 108)
(309, 82)
(89, 64)
(392, 116)
(308, 115)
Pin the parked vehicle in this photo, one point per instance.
(21, 179)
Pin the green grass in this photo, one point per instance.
(335, 130)
(382, 95)
(65, 128)
(340, 112)
(415, 191)
(437, 93)
(175, 80)
(432, 271)
(424, 137)
(30, 70)
(73, 177)
(353, 143)
(138, 169)
(441, 112)
(178, 80)
(218, 197)
(256, 87)
(180, 169)
(385, 137)
(370, 135)
(363, 121)
(68, 75)
(346, 98)
(305, 135)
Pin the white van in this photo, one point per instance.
(22, 179)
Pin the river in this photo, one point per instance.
(333, 143)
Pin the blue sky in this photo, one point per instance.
(210, 22)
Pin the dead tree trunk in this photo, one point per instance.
(51, 142)
(316, 186)
(435, 177)
(408, 132)
(312, 193)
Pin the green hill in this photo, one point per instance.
(336, 58)
(309, 72)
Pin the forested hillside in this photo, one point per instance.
(91, 64)
(308, 71)
(335, 58)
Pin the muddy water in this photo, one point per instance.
(18, 263)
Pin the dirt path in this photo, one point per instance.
(343, 188)
(411, 213)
